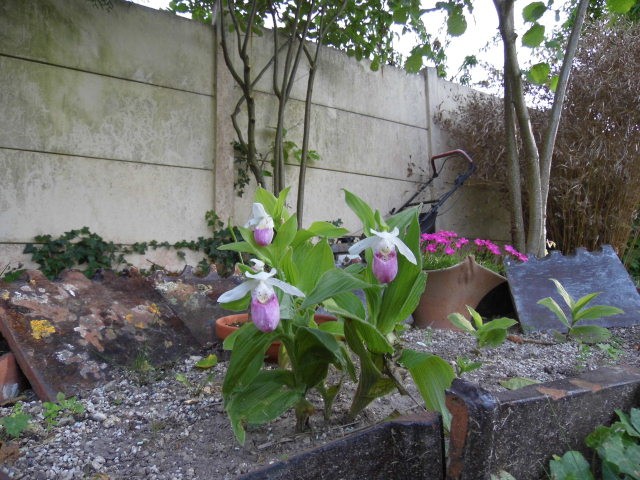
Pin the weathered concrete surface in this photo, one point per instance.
(68, 335)
(405, 448)
(519, 431)
(580, 274)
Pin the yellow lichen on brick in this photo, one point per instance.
(5, 295)
(153, 308)
(41, 329)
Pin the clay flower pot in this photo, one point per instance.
(451, 289)
(12, 380)
(228, 324)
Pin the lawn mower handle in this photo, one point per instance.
(450, 153)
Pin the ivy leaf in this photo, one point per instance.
(539, 73)
(534, 36)
(533, 11)
(456, 23)
(620, 6)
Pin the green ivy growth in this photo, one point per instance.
(79, 248)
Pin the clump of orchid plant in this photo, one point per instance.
(292, 275)
(444, 249)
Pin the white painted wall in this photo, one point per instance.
(119, 120)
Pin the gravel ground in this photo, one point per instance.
(151, 425)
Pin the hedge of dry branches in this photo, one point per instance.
(595, 182)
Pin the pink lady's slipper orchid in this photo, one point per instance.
(385, 260)
(265, 308)
(262, 225)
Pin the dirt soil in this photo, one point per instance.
(170, 424)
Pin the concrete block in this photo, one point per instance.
(519, 431)
(406, 448)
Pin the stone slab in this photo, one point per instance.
(195, 299)
(580, 274)
(519, 431)
(407, 447)
(68, 335)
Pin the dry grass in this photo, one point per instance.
(594, 194)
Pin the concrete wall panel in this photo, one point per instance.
(127, 41)
(122, 202)
(66, 111)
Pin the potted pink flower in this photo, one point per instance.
(460, 272)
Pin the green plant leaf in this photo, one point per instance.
(539, 73)
(314, 351)
(534, 36)
(533, 11)
(326, 230)
(590, 333)
(582, 302)
(456, 23)
(515, 383)
(596, 312)
(375, 341)
(346, 305)
(209, 361)
(631, 423)
(269, 395)
(551, 304)
(15, 424)
(362, 210)
(285, 235)
(267, 199)
(458, 320)
(502, 475)
(334, 282)
(477, 318)
(620, 6)
(249, 347)
(571, 466)
(413, 64)
(311, 262)
(568, 299)
(432, 375)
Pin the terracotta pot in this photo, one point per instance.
(451, 289)
(12, 380)
(228, 324)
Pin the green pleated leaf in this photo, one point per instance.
(319, 229)
(267, 397)
(596, 312)
(432, 375)
(375, 341)
(284, 236)
(314, 351)
(362, 210)
(247, 356)
(552, 305)
(582, 302)
(458, 321)
(334, 282)
(312, 262)
(590, 334)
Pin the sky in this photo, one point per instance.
(482, 28)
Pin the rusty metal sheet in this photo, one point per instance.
(580, 274)
(195, 298)
(67, 335)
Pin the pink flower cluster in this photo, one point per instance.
(450, 243)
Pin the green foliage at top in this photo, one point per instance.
(578, 312)
(617, 447)
(488, 334)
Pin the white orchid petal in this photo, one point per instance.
(258, 265)
(285, 287)
(404, 250)
(238, 292)
(368, 242)
(261, 276)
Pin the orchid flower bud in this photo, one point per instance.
(385, 258)
(262, 225)
(265, 308)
